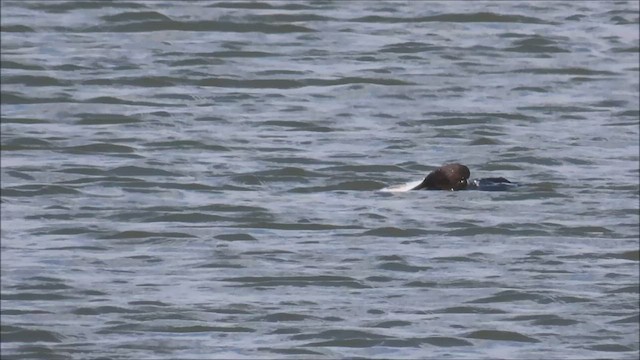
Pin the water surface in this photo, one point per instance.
(201, 180)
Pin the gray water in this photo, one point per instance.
(201, 180)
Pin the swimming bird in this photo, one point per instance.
(447, 177)
(456, 177)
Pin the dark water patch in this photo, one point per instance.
(382, 279)
(577, 161)
(236, 237)
(536, 44)
(629, 113)
(564, 71)
(226, 208)
(25, 335)
(291, 351)
(67, 216)
(62, 7)
(45, 279)
(391, 324)
(15, 28)
(139, 171)
(25, 143)
(611, 348)
(450, 259)
(100, 148)
(409, 48)
(634, 289)
(457, 120)
(278, 149)
(253, 5)
(500, 335)
(620, 20)
(298, 281)
(484, 141)
(233, 309)
(267, 252)
(107, 181)
(276, 5)
(614, 104)
(42, 284)
(469, 310)
(297, 126)
(530, 89)
(633, 255)
(229, 187)
(443, 341)
(122, 328)
(69, 67)
(280, 72)
(358, 185)
(178, 186)
(129, 16)
(220, 265)
(137, 234)
(34, 80)
(288, 18)
(544, 320)
(295, 84)
(555, 322)
(146, 258)
(23, 120)
(147, 303)
(200, 329)
(20, 175)
(28, 296)
(511, 296)
(187, 218)
(237, 54)
(106, 119)
(295, 226)
(185, 144)
(284, 317)
(630, 49)
(352, 343)
(138, 81)
(390, 231)
(83, 171)
(10, 312)
(34, 352)
(196, 26)
(100, 310)
(340, 334)
(421, 284)
(38, 190)
(634, 319)
(78, 248)
(402, 267)
(478, 17)
(496, 230)
(16, 98)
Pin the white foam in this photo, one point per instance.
(402, 188)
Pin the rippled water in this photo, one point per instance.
(201, 180)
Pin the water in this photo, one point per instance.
(202, 180)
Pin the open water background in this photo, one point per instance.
(199, 180)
